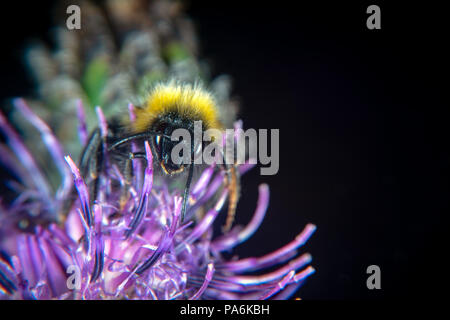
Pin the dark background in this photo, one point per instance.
(363, 127)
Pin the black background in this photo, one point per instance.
(364, 130)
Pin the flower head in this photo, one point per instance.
(132, 247)
(58, 239)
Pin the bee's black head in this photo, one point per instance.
(174, 155)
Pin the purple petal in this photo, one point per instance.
(8, 161)
(304, 274)
(208, 277)
(274, 275)
(131, 112)
(146, 189)
(202, 182)
(279, 286)
(231, 240)
(207, 220)
(54, 147)
(278, 256)
(103, 125)
(24, 156)
(82, 130)
(82, 191)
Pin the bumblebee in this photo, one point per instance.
(167, 107)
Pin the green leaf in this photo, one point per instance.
(174, 52)
(148, 80)
(94, 79)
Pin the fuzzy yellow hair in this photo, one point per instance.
(192, 102)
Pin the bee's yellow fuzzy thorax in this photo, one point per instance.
(192, 102)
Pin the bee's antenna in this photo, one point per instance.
(136, 136)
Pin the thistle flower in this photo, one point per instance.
(136, 250)
(58, 243)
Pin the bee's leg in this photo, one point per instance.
(188, 185)
(91, 159)
(89, 166)
(131, 155)
(128, 174)
(186, 191)
(148, 134)
(233, 185)
(88, 160)
(92, 162)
